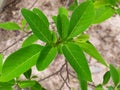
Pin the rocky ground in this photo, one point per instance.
(105, 37)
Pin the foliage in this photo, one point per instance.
(69, 40)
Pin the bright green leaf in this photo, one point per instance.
(81, 18)
(26, 84)
(82, 38)
(54, 37)
(102, 14)
(91, 50)
(39, 28)
(9, 26)
(63, 11)
(20, 61)
(55, 19)
(114, 74)
(30, 40)
(41, 16)
(106, 77)
(62, 26)
(77, 60)
(47, 55)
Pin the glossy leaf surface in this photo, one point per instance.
(20, 61)
(77, 60)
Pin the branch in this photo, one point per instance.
(53, 73)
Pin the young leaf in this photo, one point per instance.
(54, 18)
(62, 25)
(82, 38)
(27, 74)
(30, 40)
(26, 84)
(1, 62)
(9, 26)
(63, 11)
(41, 16)
(77, 60)
(37, 86)
(106, 77)
(47, 55)
(81, 18)
(39, 28)
(54, 37)
(102, 14)
(20, 61)
(91, 50)
(114, 74)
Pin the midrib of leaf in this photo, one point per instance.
(79, 20)
(38, 30)
(74, 58)
(7, 75)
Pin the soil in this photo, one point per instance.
(105, 37)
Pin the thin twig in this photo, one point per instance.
(65, 79)
(16, 41)
(53, 73)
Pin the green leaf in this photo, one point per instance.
(6, 88)
(82, 38)
(106, 77)
(28, 73)
(39, 28)
(83, 85)
(30, 40)
(41, 16)
(110, 88)
(54, 37)
(20, 61)
(37, 86)
(23, 23)
(62, 25)
(9, 26)
(102, 14)
(118, 70)
(47, 55)
(81, 18)
(91, 50)
(54, 18)
(114, 74)
(1, 62)
(77, 60)
(26, 84)
(63, 11)
(118, 11)
(5, 84)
